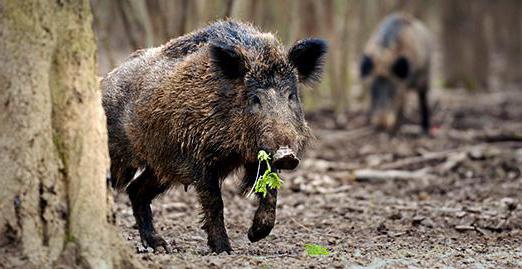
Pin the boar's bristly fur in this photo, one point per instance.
(198, 108)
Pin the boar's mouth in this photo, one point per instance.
(285, 159)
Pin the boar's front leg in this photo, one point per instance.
(265, 216)
(264, 219)
(424, 109)
(141, 193)
(209, 192)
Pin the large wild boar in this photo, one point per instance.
(397, 59)
(201, 106)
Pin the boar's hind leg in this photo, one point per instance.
(141, 193)
(424, 109)
(265, 216)
(209, 192)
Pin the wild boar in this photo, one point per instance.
(397, 59)
(201, 106)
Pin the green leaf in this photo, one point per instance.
(316, 250)
(274, 181)
(269, 178)
(263, 156)
(261, 183)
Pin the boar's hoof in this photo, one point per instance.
(258, 232)
(155, 241)
(285, 158)
(220, 245)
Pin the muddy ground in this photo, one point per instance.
(456, 199)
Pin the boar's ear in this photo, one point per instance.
(228, 60)
(366, 66)
(307, 56)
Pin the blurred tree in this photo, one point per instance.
(345, 58)
(55, 209)
(507, 40)
(308, 23)
(466, 58)
(136, 22)
(168, 18)
(229, 6)
(338, 57)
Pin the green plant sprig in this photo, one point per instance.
(269, 178)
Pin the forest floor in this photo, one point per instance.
(453, 199)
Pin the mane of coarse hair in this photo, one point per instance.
(229, 32)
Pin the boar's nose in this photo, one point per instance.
(390, 120)
(285, 158)
(384, 121)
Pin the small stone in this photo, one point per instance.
(428, 223)
(460, 214)
(395, 216)
(417, 220)
(423, 196)
(382, 229)
(357, 253)
(476, 154)
(510, 203)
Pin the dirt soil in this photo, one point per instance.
(455, 200)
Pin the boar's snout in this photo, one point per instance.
(285, 159)
(384, 120)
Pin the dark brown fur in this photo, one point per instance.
(199, 107)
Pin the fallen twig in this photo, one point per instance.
(350, 134)
(414, 160)
(452, 161)
(369, 174)
(321, 165)
(430, 156)
(501, 137)
(461, 228)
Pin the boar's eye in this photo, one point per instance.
(254, 103)
(255, 100)
(401, 68)
(366, 66)
(292, 96)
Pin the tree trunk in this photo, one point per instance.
(54, 203)
(182, 24)
(332, 69)
(464, 44)
(507, 37)
(229, 6)
(308, 25)
(136, 22)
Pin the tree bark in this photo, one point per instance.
(229, 6)
(54, 203)
(136, 22)
(507, 36)
(464, 44)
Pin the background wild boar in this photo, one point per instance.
(396, 59)
(199, 107)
